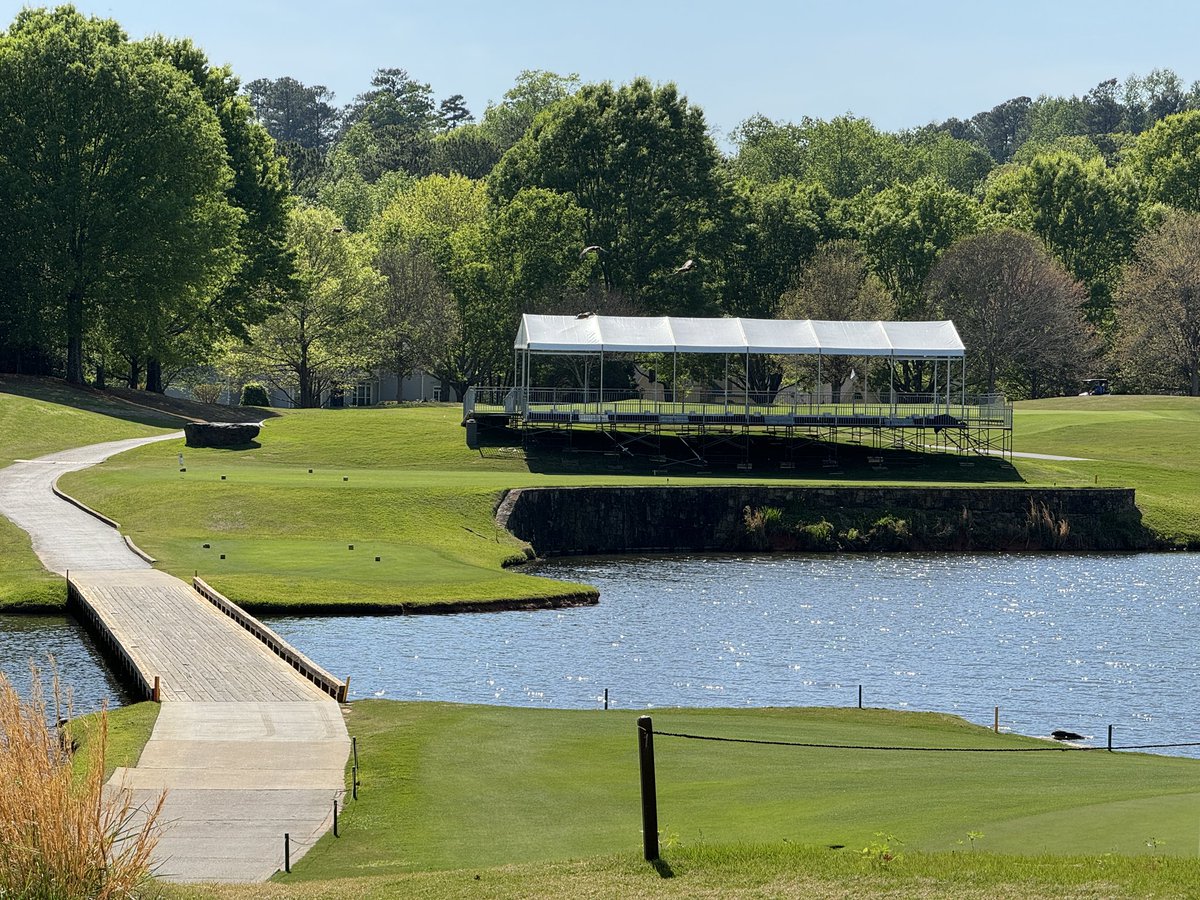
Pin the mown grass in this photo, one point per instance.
(758, 871)
(421, 501)
(561, 784)
(129, 729)
(39, 417)
(1147, 443)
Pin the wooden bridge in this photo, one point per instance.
(249, 742)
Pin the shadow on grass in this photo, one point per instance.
(762, 458)
(662, 867)
(143, 407)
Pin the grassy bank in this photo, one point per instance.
(551, 810)
(400, 484)
(758, 871)
(37, 417)
(558, 784)
(129, 729)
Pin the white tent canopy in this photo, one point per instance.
(670, 334)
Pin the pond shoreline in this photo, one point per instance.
(591, 521)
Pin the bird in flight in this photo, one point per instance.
(591, 248)
(685, 268)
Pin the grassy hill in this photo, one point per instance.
(401, 485)
(37, 417)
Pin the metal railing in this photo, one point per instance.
(786, 407)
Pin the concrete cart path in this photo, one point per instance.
(246, 748)
(64, 536)
(238, 776)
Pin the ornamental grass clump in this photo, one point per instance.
(62, 833)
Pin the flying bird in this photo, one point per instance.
(685, 268)
(591, 248)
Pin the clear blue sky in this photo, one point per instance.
(901, 64)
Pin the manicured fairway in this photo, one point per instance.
(556, 784)
(400, 484)
(38, 417)
(1147, 443)
(757, 871)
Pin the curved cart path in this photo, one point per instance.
(246, 748)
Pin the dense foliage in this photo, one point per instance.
(154, 241)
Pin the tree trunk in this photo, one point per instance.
(305, 379)
(101, 377)
(154, 381)
(75, 335)
(135, 372)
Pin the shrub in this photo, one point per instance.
(890, 533)
(61, 833)
(761, 525)
(255, 395)
(207, 393)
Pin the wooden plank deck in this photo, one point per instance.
(163, 627)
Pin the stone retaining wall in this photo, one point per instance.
(591, 520)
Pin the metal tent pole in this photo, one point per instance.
(892, 383)
(675, 377)
(747, 386)
(600, 387)
(726, 384)
(820, 382)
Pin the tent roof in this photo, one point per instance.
(669, 334)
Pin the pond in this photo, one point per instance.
(1074, 642)
(58, 643)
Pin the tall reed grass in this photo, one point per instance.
(62, 833)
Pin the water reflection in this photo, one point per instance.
(1076, 642)
(80, 666)
(1057, 641)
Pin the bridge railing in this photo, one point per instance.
(593, 406)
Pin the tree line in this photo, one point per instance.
(187, 221)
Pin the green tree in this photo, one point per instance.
(506, 122)
(114, 181)
(294, 112)
(904, 231)
(837, 283)
(960, 164)
(639, 162)
(846, 155)
(777, 228)
(1018, 311)
(322, 335)
(1158, 307)
(1166, 161)
(399, 116)
(1086, 214)
(466, 150)
(260, 190)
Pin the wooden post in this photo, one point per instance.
(860, 696)
(156, 693)
(335, 828)
(606, 698)
(645, 731)
(1110, 739)
(287, 852)
(996, 720)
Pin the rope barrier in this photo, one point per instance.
(815, 746)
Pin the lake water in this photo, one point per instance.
(58, 643)
(1076, 642)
